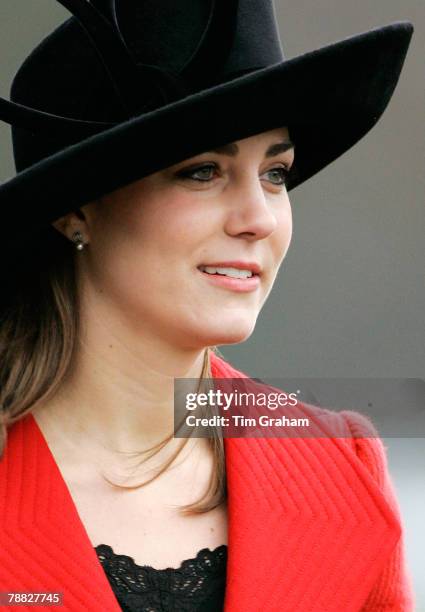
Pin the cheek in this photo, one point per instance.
(152, 223)
(283, 233)
(167, 221)
(141, 253)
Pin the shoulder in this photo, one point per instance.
(359, 433)
(355, 428)
(365, 441)
(221, 368)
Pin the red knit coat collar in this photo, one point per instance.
(308, 526)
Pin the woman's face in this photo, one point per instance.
(148, 240)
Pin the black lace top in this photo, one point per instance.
(197, 585)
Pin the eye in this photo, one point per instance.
(280, 173)
(203, 172)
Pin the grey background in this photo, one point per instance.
(349, 300)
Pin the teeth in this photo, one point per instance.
(233, 272)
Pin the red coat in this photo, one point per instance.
(314, 525)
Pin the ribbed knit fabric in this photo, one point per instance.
(394, 588)
(313, 523)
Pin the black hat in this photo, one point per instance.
(125, 88)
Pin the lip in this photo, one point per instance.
(241, 265)
(238, 285)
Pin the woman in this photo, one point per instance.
(155, 144)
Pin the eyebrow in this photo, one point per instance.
(232, 149)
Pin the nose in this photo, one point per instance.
(252, 211)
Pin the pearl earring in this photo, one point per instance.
(78, 239)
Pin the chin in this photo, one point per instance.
(222, 332)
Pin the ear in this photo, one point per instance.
(60, 225)
(70, 223)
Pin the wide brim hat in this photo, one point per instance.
(126, 88)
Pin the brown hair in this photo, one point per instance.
(39, 329)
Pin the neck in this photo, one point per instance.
(119, 393)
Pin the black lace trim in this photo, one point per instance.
(197, 584)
